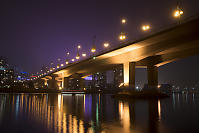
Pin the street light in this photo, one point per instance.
(93, 50)
(122, 36)
(146, 27)
(77, 56)
(67, 61)
(84, 54)
(73, 60)
(106, 44)
(178, 12)
(79, 46)
(123, 21)
(58, 62)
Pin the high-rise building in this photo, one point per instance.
(6, 74)
(99, 80)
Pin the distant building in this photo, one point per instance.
(118, 76)
(6, 74)
(74, 83)
(9, 76)
(165, 88)
(162, 87)
(99, 80)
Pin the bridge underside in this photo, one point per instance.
(151, 52)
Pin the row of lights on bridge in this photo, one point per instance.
(177, 14)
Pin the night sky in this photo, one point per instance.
(35, 33)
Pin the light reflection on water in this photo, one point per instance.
(81, 113)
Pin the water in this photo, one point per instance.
(56, 113)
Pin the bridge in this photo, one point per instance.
(151, 52)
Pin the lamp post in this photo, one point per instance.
(51, 66)
(178, 12)
(77, 56)
(67, 58)
(122, 35)
(146, 27)
(93, 48)
(67, 62)
(58, 65)
(78, 48)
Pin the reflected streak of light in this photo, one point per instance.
(121, 109)
(70, 124)
(124, 116)
(21, 101)
(193, 97)
(52, 118)
(60, 105)
(17, 105)
(99, 98)
(64, 123)
(159, 109)
(75, 125)
(48, 118)
(59, 101)
(97, 114)
(178, 98)
(84, 103)
(81, 126)
(13, 100)
(174, 102)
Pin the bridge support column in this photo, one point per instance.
(129, 74)
(66, 82)
(53, 82)
(82, 83)
(152, 76)
(45, 82)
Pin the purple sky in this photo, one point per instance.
(35, 33)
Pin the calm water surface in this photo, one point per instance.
(56, 113)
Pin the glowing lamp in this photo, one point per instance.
(178, 13)
(93, 50)
(106, 45)
(123, 21)
(122, 36)
(79, 46)
(145, 27)
(84, 55)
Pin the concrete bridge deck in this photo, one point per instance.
(150, 52)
